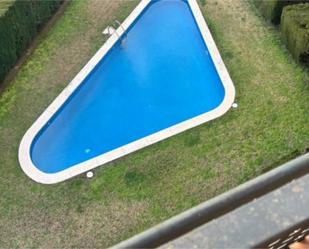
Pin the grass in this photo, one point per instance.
(269, 127)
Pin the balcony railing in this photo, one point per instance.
(270, 211)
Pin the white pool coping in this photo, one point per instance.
(24, 153)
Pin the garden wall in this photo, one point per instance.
(19, 23)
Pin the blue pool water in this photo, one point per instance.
(161, 75)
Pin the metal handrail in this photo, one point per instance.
(219, 205)
(120, 25)
(113, 31)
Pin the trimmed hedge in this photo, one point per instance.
(272, 9)
(19, 23)
(295, 30)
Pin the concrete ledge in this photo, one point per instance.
(273, 221)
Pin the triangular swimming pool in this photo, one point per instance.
(159, 74)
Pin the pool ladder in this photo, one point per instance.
(119, 25)
(111, 30)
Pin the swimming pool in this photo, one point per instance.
(159, 74)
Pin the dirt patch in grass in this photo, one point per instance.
(93, 226)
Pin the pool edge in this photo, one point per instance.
(39, 176)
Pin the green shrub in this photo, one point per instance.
(19, 22)
(295, 30)
(272, 9)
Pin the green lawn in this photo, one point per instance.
(133, 193)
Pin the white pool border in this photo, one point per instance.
(24, 153)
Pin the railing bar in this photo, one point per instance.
(226, 202)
